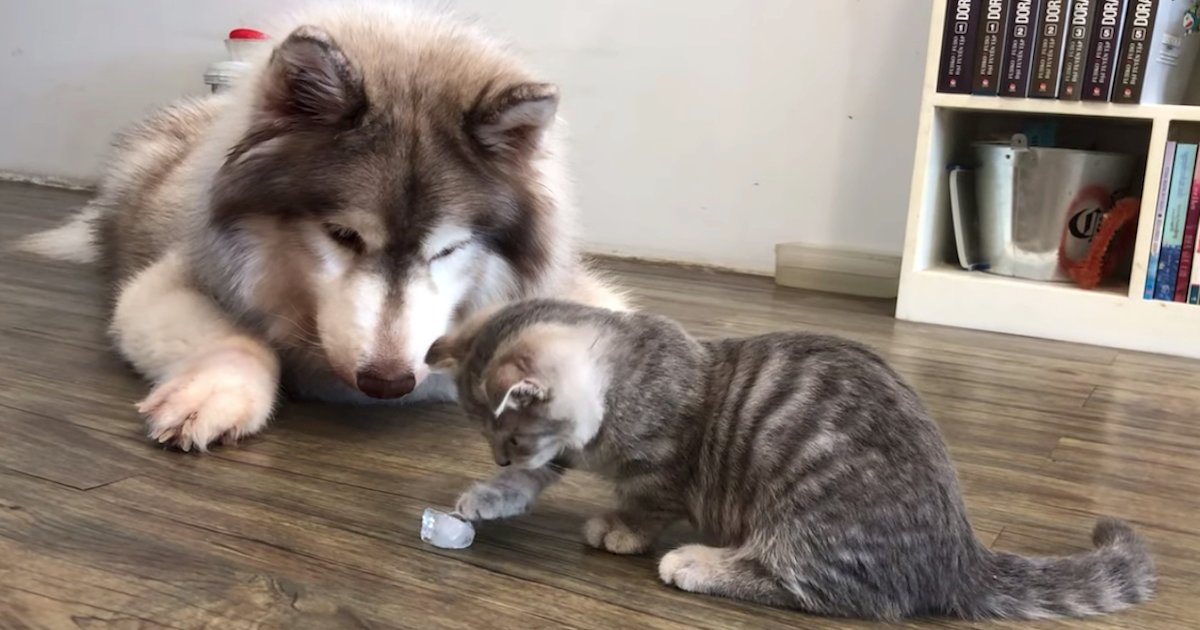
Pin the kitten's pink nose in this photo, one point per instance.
(385, 381)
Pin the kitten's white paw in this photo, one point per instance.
(486, 502)
(608, 533)
(595, 529)
(227, 395)
(693, 567)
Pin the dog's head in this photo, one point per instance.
(393, 173)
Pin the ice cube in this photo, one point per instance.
(446, 530)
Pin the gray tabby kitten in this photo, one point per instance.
(815, 467)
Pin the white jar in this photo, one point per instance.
(242, 44)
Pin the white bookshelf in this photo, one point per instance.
(936, 291)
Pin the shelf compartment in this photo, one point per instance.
(951, 134)
(952, 297)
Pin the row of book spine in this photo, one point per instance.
(1173, 271)
(1094, 50)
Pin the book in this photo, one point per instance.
(1160, 211)
(1172, 55)
(990, 51)
(1048, 53)
(1134, 51)
(1079, 33)
(1172, 236)
(958, 46)
(1184, 275)
(1194, 288)
(1018, 50)
(1102, 50)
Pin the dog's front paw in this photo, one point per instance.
(486, 502)
(226, 396)
(609, 533)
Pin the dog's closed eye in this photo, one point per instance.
(345, 237)
(447, 251)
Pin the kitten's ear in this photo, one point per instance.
(446, 354)
(310, 80)
(512, 122)
(520, 395)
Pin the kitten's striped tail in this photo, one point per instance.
(1117, 574)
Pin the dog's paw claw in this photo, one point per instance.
(223, 398)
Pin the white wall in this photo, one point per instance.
(703, 130)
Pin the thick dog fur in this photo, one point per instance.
(383, 173)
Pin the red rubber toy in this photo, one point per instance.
(1113, 240)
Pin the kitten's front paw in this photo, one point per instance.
(486, 502)
(609, 533)
(693, 568)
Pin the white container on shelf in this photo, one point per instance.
(1040, 206)
(1172, 56)
(242, 44)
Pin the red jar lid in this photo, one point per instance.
(247, 33)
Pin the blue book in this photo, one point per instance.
(1160, 211)
(1173, 223)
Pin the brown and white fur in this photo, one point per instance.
(382, 173)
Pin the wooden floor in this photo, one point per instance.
(314, 524)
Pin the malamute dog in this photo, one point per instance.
(383, 173)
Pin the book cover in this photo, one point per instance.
(1102, 50)
(1172, 237)
(958, 46)
(1184, 276)
(1172, 55)
(990, 51)
(1079, 33)
(1134, 51)
(1018, 52)
(1194, 289)
(1048, 53)
(1160, 210)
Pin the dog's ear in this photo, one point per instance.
(445, 354)
(310, 80)
(513, 121)
(512, 386)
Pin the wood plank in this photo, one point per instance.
(59, 451)
(250, 577)
(29, 609)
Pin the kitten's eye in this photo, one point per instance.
(512, 441)
(447, 250)
(345, 237)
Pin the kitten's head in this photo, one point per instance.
(536, 391)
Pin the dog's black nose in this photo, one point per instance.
(378, 383)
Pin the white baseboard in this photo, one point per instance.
(47, 180)
(837, 270)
